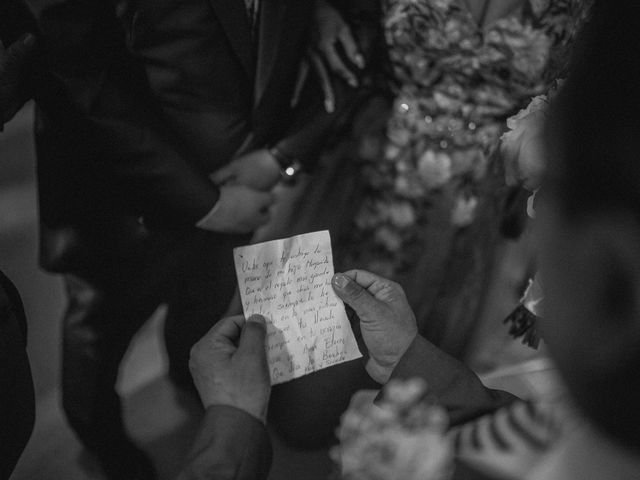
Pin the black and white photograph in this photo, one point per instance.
(319, 240)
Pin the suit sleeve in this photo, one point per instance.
(107, 104)
(231, 445)
(311, 126)
(450, 383)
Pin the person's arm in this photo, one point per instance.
(451, 384)
(231, 444)
(312, 125)
(396, 350)
(107, 104)
(342, 40)
(17, 408)
(229, 369)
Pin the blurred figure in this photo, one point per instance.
(588, 222)
(181, 117)
(17, 402)
(431, 191)
(591, 257)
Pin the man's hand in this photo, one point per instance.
(258, 169)
(229, 365)
(240, 209)
(387, 322)
(333, 37)
(13, 62)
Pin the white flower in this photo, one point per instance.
(533, 297)
(522, 147)
(403, 394)
(434, 168)
(402, 438)
(535, 105)
(464, 211)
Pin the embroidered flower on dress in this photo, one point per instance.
(455, 86)
(464, 210)
(402, 214)
(434, 168)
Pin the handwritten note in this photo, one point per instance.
(289, 282)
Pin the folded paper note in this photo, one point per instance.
(289, 282)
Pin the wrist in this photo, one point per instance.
(281, 158)
(380, 373)
(227, 408)
(289, 166)
(256, 409)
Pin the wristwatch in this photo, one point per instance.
(289, 167)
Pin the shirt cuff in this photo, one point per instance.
(207, 221)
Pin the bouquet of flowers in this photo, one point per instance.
(401, 438)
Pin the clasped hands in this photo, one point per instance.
(245, 193)
(229, 364)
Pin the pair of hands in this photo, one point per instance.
(333, 45)
(245, 183)
(229, 364)
(245, 193)
(13, 62)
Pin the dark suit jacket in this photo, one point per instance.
(17, 403)
(156, 95)
(231, 445)
(450, 383)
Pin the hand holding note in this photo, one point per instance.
(289, 283)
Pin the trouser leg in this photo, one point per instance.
(98, 328)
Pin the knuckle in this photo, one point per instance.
(195, 356)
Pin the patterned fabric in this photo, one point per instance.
(455, 83)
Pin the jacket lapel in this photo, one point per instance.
(235, 22)
(272, 16)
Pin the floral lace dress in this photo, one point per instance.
(434, 193)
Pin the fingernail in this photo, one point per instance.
(256, 319)
(340, 280)
(360, 60)
(328, 106)
(29, 40)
